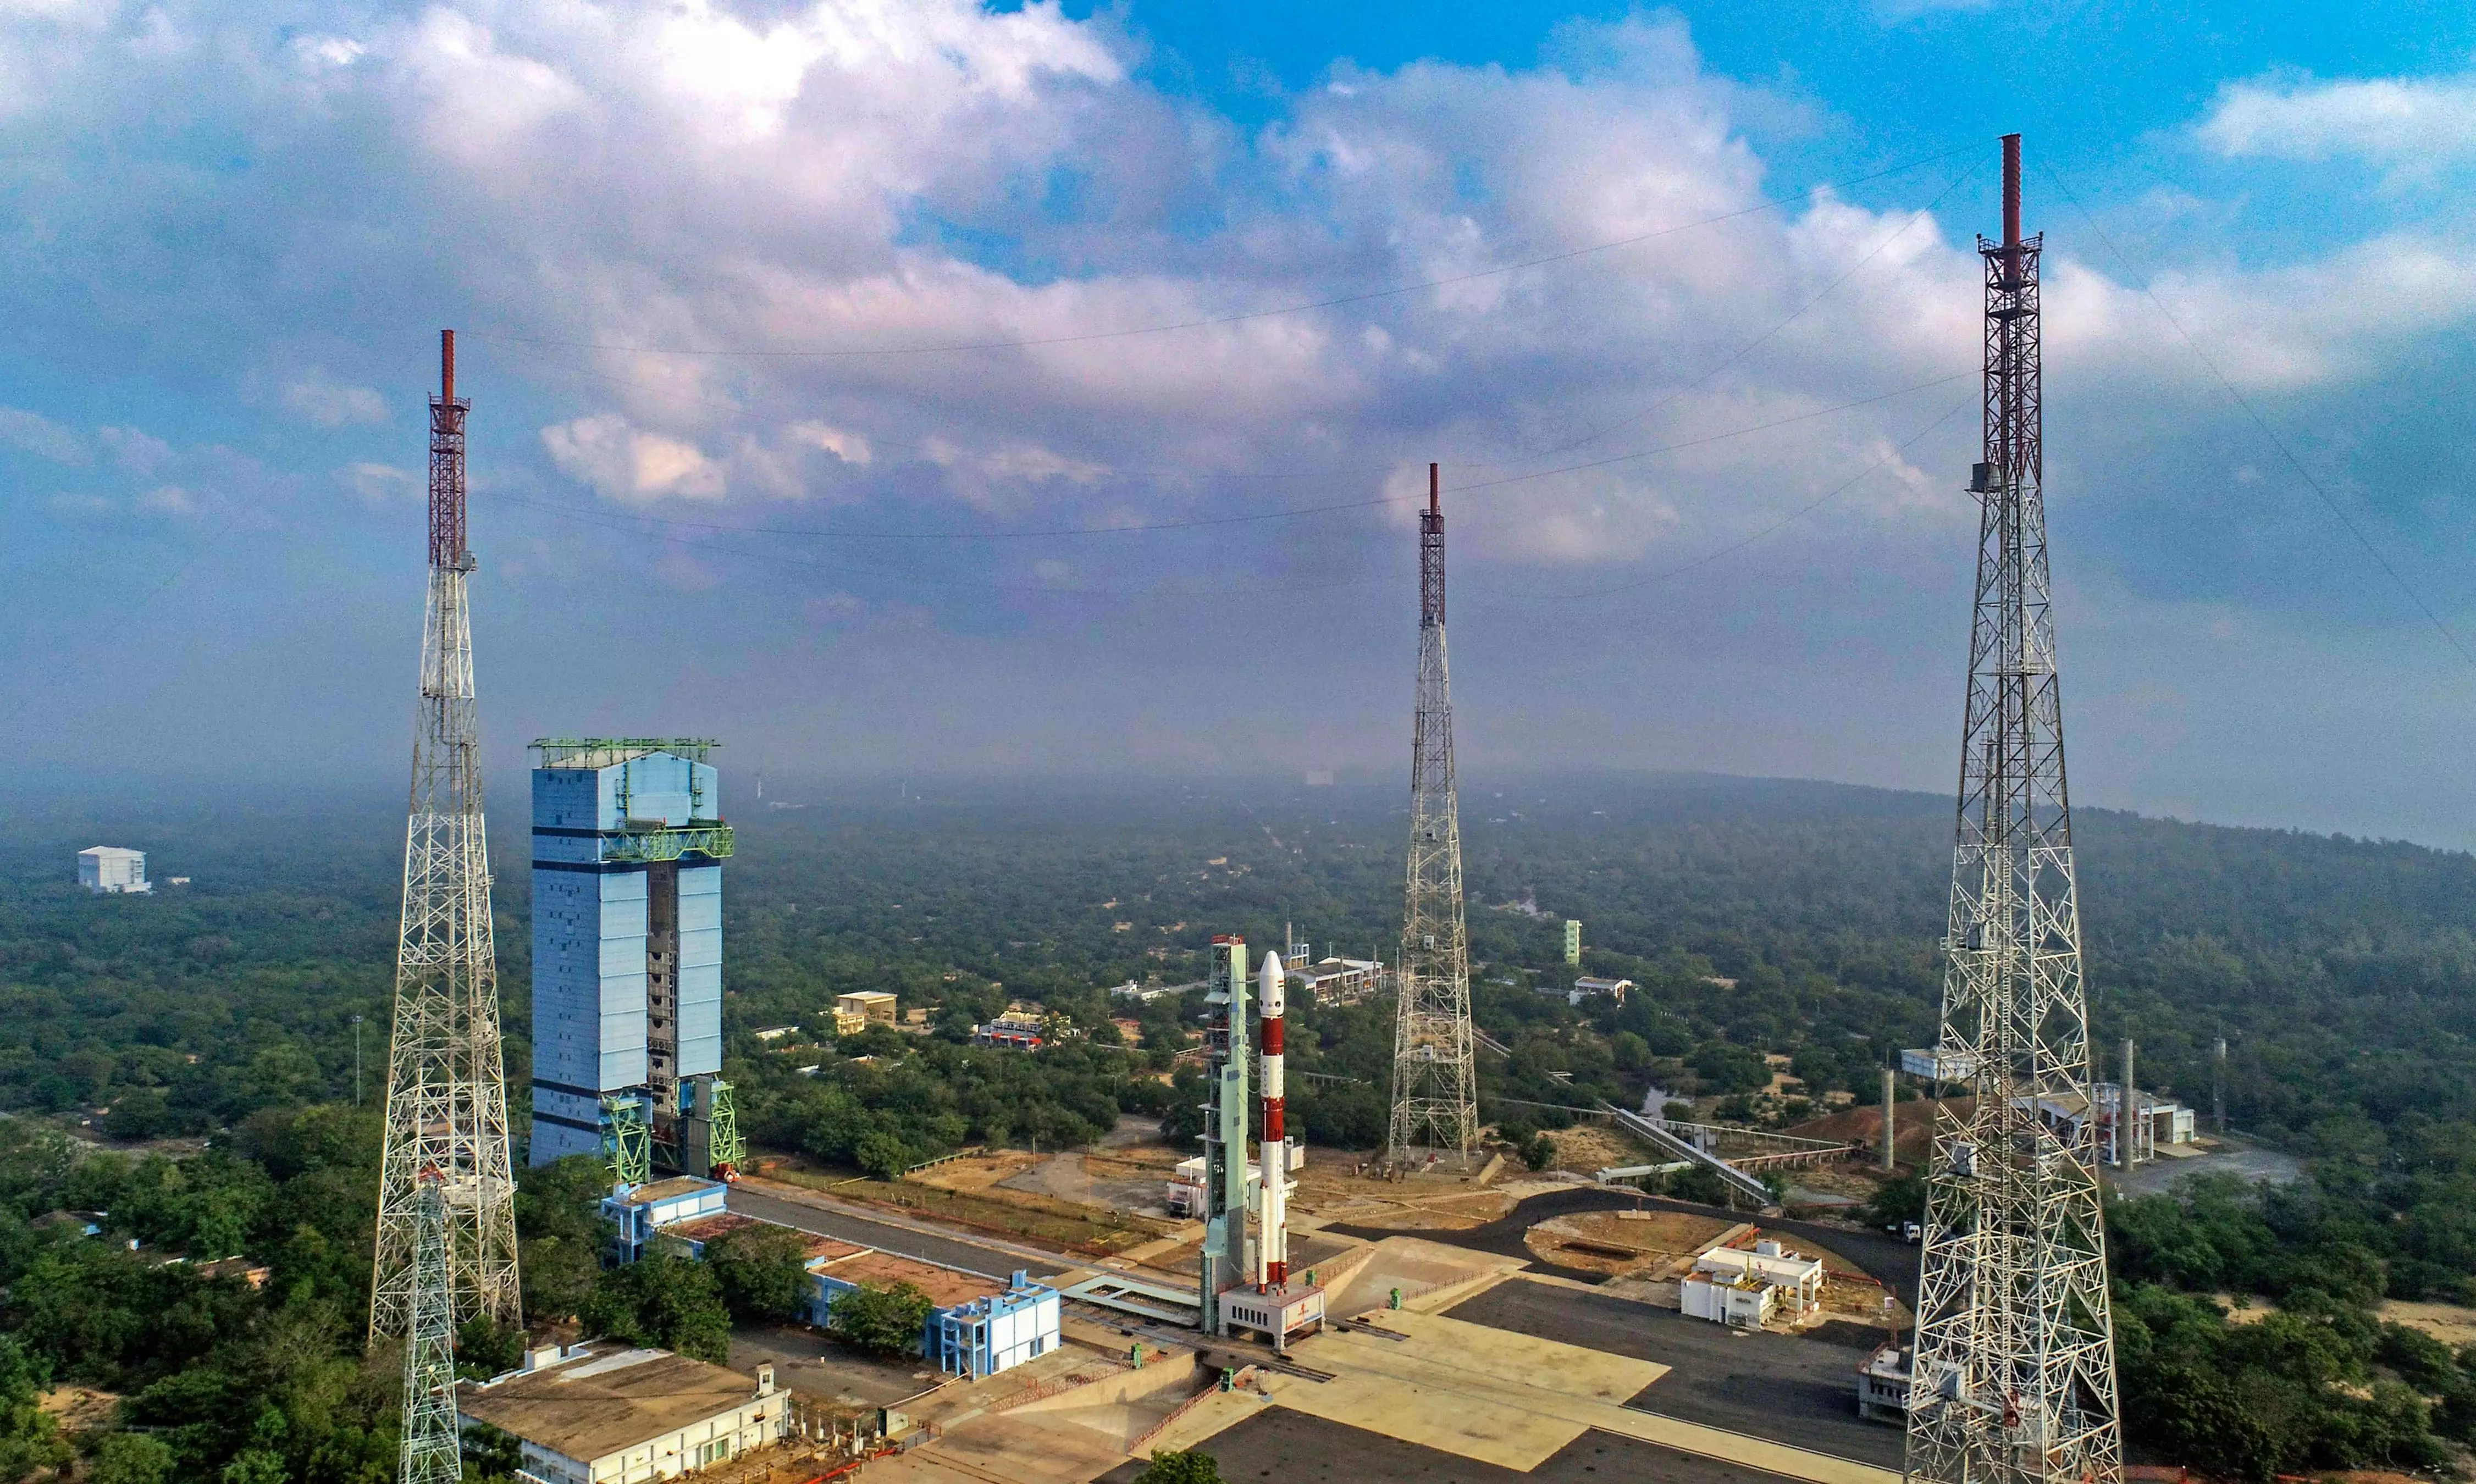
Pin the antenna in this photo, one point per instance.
(2015, 1379)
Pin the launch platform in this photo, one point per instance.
(1275, 1312)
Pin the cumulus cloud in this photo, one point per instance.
(2408, 125)
(36, 433)
(315, 397)
(720, 238)
(848, 447)
(381, 484)
(630, 464)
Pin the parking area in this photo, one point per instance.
(1293, 1448)
(1786, 1389)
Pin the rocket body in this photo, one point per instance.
(1273, 1246)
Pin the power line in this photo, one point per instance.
(1369, 296)
(2229, 386)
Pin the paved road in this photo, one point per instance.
(1292, 1448)
(989, 1257)
(1788, 1389)
(1882, 1258)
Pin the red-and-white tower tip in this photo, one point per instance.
(1273, 1245)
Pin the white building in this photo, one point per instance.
(108, 868)
(1730, 1285)
(1883, 1385)
(1940, 1066)
(610, 1415)
(1335, 980)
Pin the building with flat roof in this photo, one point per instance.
(638, 1211)
(1334, 980)
(1589, 988)
(113, 870)
(1022, 1027)
(1883, 1385)
(1732, 1285)
(855, 1013)
(977, 1326)
(606, 1414)
(627, 845)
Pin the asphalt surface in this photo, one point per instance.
(1292, 1448)
(1883, 1258)
(950, 1250)
(1787, 1388)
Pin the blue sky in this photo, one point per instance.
(817, 362)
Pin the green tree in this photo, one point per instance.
(664, 1302)
(885, 1319)
(131, 1458)
(1698, 1185)
(29, 1436)
(560, 1233)
(883, 1155)
(1181, 1465)
(1900, 1199)
(762, 1270)
(1540, 1153)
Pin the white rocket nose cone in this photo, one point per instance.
(1270, 980)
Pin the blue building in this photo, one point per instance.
(975, 1325)
(628, 847)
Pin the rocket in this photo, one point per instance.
(1272, 1246)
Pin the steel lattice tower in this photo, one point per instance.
(2014, 1380)
(431, 1451)
(447, 1098)
(1435, 1087)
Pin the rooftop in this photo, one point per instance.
(609, 751)
(704, 1228)
(590, 1406)
(672, 1189)
(944, 1286)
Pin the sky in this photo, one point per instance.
(922, 389)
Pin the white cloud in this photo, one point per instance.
(381, 484)
(631, 465)
(137, 452)
(39, 435)
(2411, 125)
(168, 499)
(848, 447)
(315, 397)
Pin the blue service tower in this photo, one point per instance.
(629, 841)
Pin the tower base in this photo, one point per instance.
(1289, 1312)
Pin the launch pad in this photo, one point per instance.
(1277, 1314)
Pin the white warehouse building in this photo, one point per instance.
(108, 868)
(619, 1415)
(1730, 1285)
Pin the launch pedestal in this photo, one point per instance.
(1279, 1314)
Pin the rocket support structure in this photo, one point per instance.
(1223, 1258)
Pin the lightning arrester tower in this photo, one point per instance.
(1435, 1089)
(446, 1097)
(2014, 1380)
(431, 1452)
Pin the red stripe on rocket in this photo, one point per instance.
(1273, 1250)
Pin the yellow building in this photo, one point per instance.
(855, 1013)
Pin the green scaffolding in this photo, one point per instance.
(627, 1139)
(728, 1148)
